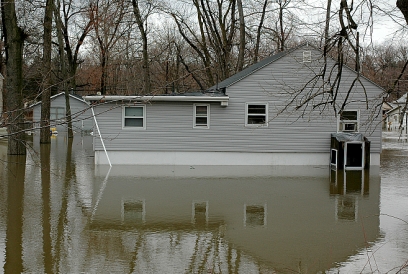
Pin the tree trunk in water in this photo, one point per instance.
(46, 89)
(14, 40)
(64, 71)
(15, 211)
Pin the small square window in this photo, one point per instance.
(346, 208)
(201, 116)
(254, 215)
(256, 114)
(307, 56)
(133, 211)
(134, 117)
(57, 114)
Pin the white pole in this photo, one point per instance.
(103, 144)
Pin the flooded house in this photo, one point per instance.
(396, 115)
(276, 112)
(80, 113)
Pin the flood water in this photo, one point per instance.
(59, 213)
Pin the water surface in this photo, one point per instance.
(61, 214)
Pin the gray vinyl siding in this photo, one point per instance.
(81, 114)
(169, 125)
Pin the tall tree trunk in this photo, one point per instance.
(258, 32)
(241, 53)
(64, 67)
(281, 37)
(103, 74)
(146, 64)
(14, 41)
(46, 86)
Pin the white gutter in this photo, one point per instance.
(160, 98)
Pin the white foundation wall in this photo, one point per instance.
(217, 158)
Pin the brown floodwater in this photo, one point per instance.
(59, 213)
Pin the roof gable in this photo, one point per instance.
(62, 94)
(251, 69)
(267, 61)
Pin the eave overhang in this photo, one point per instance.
(223, 100)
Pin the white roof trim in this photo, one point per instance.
(176, 98)
(60, 94)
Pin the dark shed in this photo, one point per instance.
(349, 151)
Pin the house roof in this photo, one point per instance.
(388, 106)
(74, 96)
(249, 70)
(257, 66)
(402, 99)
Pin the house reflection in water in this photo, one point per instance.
(273, 219)
(348, 186)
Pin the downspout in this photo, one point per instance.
(100, 136)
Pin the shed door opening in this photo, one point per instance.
(354, 155)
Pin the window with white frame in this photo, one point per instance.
(201, 116)
(349, 121)
(256, 114)
(134, 117)
(307, 56)
(57, 113)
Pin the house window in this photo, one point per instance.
(201, 116)
(254, 215)
(133, 211)
(134, 117)
(57, 113)
(200, 212)
(346, 208)
(307, 56)
(349, 121)
(256, 114)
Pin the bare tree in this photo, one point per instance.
(241, 53)
(107, 18)
(46, 87)
(69, 16)
(259, 31)
(63, 67)
(213, 37)
(141, 21)
(14, 37)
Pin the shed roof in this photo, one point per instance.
(348, 137)
(74, 96)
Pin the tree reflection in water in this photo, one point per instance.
(15, 167)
